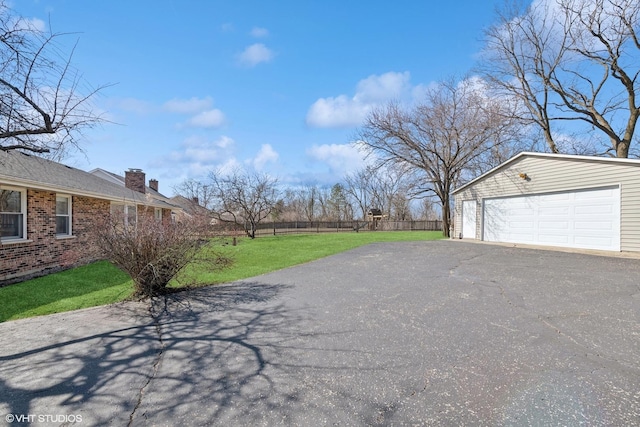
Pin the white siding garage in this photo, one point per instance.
(554, 200)
(588, 219)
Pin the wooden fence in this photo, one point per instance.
(304, 227)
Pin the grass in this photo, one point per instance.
(87, 286)
(101, 283)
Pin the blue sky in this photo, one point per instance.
(279, 86)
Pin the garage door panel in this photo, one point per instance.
(605, 226)
(521, 225)
(554, 211)
(587, 219)
(592, 242)
(600, 194)
(519, 237)
(513, 213)
(553, 238)
(554, 225)
(594, 209)
(551, 198)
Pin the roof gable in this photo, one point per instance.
(567, 157)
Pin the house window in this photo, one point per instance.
(157, 214)
(63, 215)
(126, 213)
(13, 206)
(132, 214)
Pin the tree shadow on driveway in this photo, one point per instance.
(115, 364)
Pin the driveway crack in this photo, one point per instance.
(156, 362)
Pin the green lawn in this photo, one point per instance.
(101, 283)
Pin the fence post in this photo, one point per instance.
(274, 227)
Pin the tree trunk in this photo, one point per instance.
(622, 149)
(550, 142)
(446, 217)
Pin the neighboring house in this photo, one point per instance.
(48, 211)
(191, 207)
(216, 226)
(554, 200)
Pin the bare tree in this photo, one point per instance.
(309, 198)
(243, 198)
(426, 210)
(323, 196)
(358, 188)
(43, 106)
(572, 62)
(201, 194)
(392, 188)
(455, 127)
(388, 187)
(299, 204)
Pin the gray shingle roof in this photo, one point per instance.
(121, 180)
(17, 168)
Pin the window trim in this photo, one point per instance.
(157, 214)
(23, 211)
(125, 211)
(69, 215)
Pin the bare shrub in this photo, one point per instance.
(153, 252)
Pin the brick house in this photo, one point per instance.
(48, 211)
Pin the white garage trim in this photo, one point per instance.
(586, 218)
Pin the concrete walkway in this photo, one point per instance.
(420, 333)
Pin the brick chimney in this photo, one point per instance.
(134, 179)
(153, 184)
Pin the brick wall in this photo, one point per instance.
(44, 252)
(147, 213)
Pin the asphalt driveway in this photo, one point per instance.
(420, 333)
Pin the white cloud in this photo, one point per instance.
(341, 158)
(383, 87)
(266, 155)
(188, 106)
(197, 156)
(229, 166)
(344, 111)
(255, 54)
(207, 119)
(203, 150)
(258, 32)
(203, 116)
(340, 111)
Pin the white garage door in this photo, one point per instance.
(588, 219)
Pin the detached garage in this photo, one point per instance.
(554, 200)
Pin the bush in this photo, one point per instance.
(154, 252)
